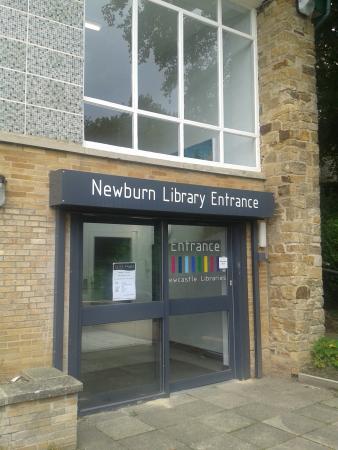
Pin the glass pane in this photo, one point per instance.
(197, 261)
(157, 59)
(198, 344)
(120, 361)
(107, 126)
(239, 112)
(200, 143)
(200, 72)
(201, 7)
(239, 150)
(120, 263)
(108, 41)
(235, 16)
(159, 136)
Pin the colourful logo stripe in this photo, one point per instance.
(199, 263)
(205, 263)
(173, 264)
(193, 264)
(186, 264)
(212, 264)
(180, 264)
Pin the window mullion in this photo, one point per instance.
(134, 62)
(256, 88)
(220, 82)
(180, 45)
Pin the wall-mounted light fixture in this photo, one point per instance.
(2, 190)
(262, 241)
(306, 7)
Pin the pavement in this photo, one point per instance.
(269, 413)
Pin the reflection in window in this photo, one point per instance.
(158, 136)
(238, 83)
(158, 72)
(200, 7)
(235, 16)
(108, 40)
(198, 344)
(120, 361)
(200, 143)
(175, 54)
(107, 126)
(239, 150)
(195, 262)
(200, 72)
(105, 244)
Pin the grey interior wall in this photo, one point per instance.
(41, 68)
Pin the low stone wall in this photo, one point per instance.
(39, 411)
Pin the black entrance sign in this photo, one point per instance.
(83, 189)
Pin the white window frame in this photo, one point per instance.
(136, 112)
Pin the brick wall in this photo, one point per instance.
(27, 243)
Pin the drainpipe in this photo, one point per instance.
(255, 257)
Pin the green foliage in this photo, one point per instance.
(325, 353)
(329, 229)
(327, 88)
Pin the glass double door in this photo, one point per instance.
(156, 309)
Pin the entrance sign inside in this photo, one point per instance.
(72, 188)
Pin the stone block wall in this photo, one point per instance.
(290, 161)
(41, 68)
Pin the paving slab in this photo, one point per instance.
(294, 423)
(161, 419)
(269, 413)
(190, 432)
(262, 435)
(226, 421)
(333, 402)
(198, 408)
(319, 412)
(227, 400)
(300, 443)
(153, 440)
(121, 427)
(223, 442)
(90, 438)
(260, 411)
(327, 435)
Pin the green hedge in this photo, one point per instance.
(325, 353)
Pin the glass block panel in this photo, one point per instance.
(200, 143)
(158, 66)
(107, 126)
(239, 110)
(200, 72)
(240, 150)
(159, 136)
(201, 7)
(108, 50)
(235, 16)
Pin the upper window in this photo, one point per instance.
(175, 78)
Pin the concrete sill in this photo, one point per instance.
(317, 381)
(37, 384)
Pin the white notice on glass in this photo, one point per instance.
(223, 262)
(124, 281)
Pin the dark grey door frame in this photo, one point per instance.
(236, 304)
